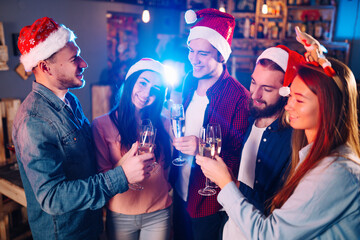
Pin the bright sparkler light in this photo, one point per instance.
(171, 75)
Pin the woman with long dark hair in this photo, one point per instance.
(321, 197)
(137, 214)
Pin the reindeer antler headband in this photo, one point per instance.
(315, 55)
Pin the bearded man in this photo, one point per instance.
(266, 151)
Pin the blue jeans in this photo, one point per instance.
(155, 225)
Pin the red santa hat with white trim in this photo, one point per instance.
(288, 60)
(215, 26)
(41, 40)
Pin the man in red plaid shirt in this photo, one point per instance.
(210, 95)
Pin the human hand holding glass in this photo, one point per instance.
(177, 118)
(216, 170)
(146, 145)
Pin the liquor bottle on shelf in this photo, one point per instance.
(318, 29)
(270, 9)
(326, 29)
(252, 29)
(260, 31)
(289, 28)
(266, 28)
(239, 28)
(310, 28)
(278, 9)
(269, 30)
(303, 25)
(275, 31)
(247, 28)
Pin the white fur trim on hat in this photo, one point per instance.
(146, 64)
(215, 39)
(277, 55)
(53, 43)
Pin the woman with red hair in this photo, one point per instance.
(321, 197)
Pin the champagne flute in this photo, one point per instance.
(146, 145)
(155, 165)
(177, 117)
(146, 123)
(208, 150)
(215, 140)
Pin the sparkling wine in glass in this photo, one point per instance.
(146, 145)
(177, 118)
(208, 150)
(215, 139)
(155, 165)
(149, 139)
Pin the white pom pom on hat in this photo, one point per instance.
(284, 91)
(190, 16)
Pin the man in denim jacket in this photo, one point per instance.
(54, 145)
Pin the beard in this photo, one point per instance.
(70, 82)
(269, 110)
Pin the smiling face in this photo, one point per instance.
(303, 108)
(205, 59)
(146, 89)
(67, 67)
(264, 89)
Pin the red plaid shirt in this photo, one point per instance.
(228, 106)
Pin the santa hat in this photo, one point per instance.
(215, 26)
(41, 40)
(146, 64)
(288, 60)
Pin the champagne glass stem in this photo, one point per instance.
(207, 190)
(178, 126)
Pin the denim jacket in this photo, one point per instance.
(56, 157)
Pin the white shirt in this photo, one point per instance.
(248, 156)
(194, 118)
